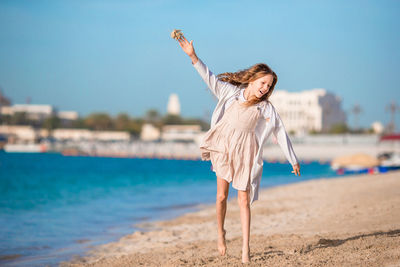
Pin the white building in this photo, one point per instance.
(19, 133)
(149, 132)
(34, 112)
(308, 110)
(29, 134)
(72, 134)
(180, 132)
(38, 112)
(84, 134)
(68, 115)
(377, 127)
(173, 106)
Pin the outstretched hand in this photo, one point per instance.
(186, 46)
(296, 169)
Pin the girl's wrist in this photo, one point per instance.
(194, 58)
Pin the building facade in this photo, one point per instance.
(310, 110)
(180, 132)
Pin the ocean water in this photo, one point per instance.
(53, 207)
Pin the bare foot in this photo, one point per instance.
(245, 255)
(222, 243)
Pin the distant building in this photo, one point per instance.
(377, 127)
(84, 134)
(149, 132)
(33, 112)
(309, 110)
(68, 115)
(38, 112)
(6, 110)
(173, 106)
(180, 132)
(72, 134)
(16, 133)
(67, 118)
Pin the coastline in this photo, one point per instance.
(344, 221)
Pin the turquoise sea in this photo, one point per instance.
(53, 207)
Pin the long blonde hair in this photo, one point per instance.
(242, 78)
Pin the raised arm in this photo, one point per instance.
(218, 87)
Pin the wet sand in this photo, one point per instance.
(347, 221)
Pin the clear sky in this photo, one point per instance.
(118, 56)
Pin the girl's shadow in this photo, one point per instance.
(324, 243)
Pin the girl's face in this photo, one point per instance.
(261, 86)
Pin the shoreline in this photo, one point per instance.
(308, 148)
(339, 221)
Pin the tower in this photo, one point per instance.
(173, 106)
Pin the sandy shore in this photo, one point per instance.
(348, 221)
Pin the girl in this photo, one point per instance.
(241, 123)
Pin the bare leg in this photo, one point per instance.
(222, 196)
(245, 215)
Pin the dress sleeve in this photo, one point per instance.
(283, 138)
(219, 88)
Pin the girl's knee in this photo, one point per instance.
(243, 202)
(243, 198)
(222, 197)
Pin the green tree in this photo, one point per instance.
(135, 126)
(5, 119)
(152, 116)
(172, 119)
(122, 122)
(99, 121)
(339, 128)
(51, 123)
(20, 118)
(79, 124)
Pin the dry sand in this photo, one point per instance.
(347, 221)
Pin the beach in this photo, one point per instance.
(345, 221)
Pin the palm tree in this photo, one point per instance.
(356, 110)
(152, 115)
(392, 108)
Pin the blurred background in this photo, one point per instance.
(94, 94)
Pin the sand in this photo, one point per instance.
(346, 221)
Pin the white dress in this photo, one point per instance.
(231, 144)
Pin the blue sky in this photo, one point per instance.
(117, 56)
